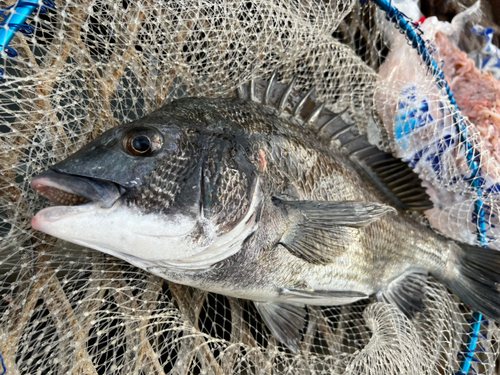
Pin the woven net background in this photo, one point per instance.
(91, 65)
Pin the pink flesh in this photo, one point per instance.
(47, 189)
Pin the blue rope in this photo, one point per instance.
(3, 366)
(413, 35)
(468, 354)
(15, 22)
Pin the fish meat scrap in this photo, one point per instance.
(265, 197)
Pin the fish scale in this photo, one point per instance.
(270, 198)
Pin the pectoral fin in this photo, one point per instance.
(318, 230)
(285, 321)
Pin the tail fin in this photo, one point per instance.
(477, 279)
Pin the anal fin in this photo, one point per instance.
(406, 292)
(285, 321)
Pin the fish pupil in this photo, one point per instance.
(141, 143)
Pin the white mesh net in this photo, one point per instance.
(90, 65)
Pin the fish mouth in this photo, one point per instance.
(72, 190)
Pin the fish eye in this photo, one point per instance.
(142, 142)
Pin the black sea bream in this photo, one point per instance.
(263, 197)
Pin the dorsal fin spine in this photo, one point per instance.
(346, 145)
(365, 153)
(286, 94)
(388, 170)
(412, 193)
(329, 122)
(400, 175)
(269, 86)
(367, 147)
(300, 105)
(400, 188)
(311, 119)
(380, 164)
(340, 132)
(240, 93)
(252, 91)
(397, 183)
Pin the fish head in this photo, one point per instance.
(153, 192)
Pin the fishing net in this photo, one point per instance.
(90, 65)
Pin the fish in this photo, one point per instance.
(264, 196)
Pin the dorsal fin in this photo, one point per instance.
(392, 175)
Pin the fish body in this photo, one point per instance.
(265, 197)
(292, 164)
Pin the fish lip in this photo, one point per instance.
(103, 193)
(53, 214)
